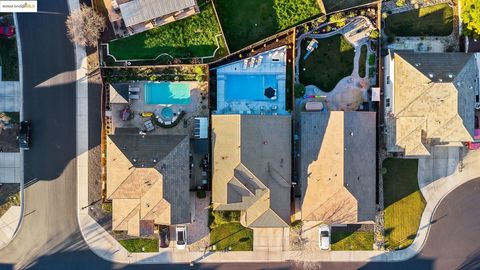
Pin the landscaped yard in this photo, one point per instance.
(403, 202)
(136, 245)
(226, 231)
(352, 240)
(327, 65)
(362, 62)
(247, 21)
(9, 196)
(195, 36)
(429, 21)
(9, 59)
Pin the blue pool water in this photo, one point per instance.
(248, 87)
(167, 93)
(167, 113)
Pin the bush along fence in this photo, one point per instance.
(156, 73)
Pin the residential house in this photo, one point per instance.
(337, 175)
(147, 181)
(429, 101)
(252, 171)
(135, 16)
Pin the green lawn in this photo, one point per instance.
(336, 5)
(247, 21)
(362, 61)
(352, 240)
(226, 231)
(195, 36)
(429, 21)
(136, 245)
(328, 64)
(9, 59)
(403, 202)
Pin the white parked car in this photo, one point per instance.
(324, 237)
(181, 233)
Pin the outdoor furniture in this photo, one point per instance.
(274, 107)
(270, 93)
(134, 97)
(245, 63)
(148, 125)
(134, 89)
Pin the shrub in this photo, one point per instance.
(371, 71)
(374, 34)
(400, 3)
(371, 59)
(299, 90)
(201, 194)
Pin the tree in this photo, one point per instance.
(84, 26)
(471, 17)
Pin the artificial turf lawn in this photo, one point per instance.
(328, 64)
(247, 21)
(403, 202)
(434, 20)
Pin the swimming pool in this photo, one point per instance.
(167, 93)
(248, 87)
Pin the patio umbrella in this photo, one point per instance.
(270, 92)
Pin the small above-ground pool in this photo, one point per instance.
(167, 93)
(249, 87)
(167, 113)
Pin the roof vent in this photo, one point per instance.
(154, 160)
(430, 75)
(351, 133)
(440, 80)
(450, 75)
(134, 160)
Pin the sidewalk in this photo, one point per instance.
(11, 164)
(106, 247)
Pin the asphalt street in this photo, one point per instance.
(49, 237)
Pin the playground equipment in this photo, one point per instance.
(310, 48)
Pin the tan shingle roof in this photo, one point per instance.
(433, 99)
(337, 170)
(147, 179)
(252, 167)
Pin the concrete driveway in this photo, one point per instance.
(443, 162)
(270, 239)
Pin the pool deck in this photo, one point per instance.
(138, 106)
(268, 66)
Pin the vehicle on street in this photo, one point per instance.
(24, 135)
(164, 234)
(324, 237)
(181, 234)
(7, 31)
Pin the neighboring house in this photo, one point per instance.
(252, 168)
(147, 181)
(429, 101)
(135, 16)
(337, 167)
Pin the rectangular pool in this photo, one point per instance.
(167, 93)
(248, 87)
